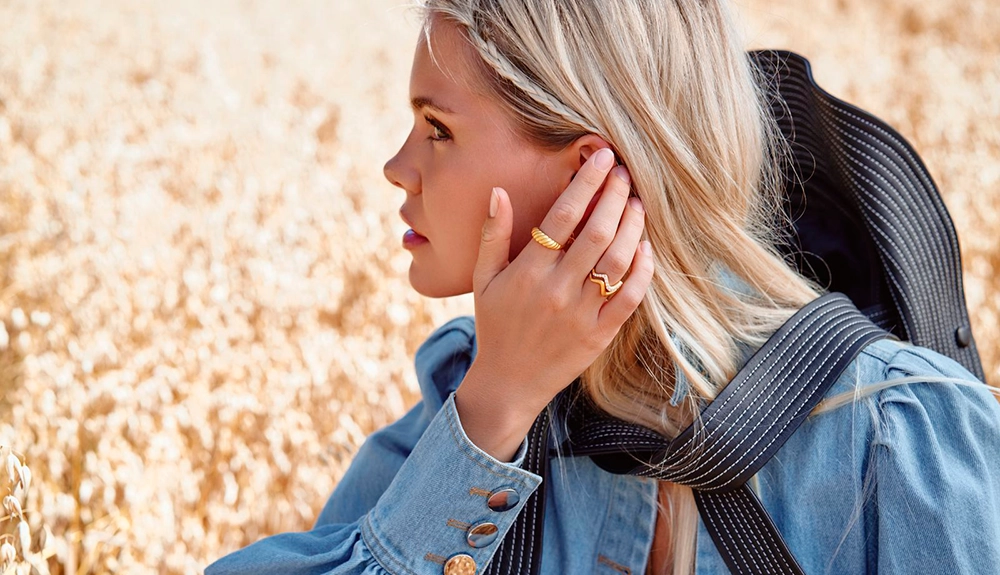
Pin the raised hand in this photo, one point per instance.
(540, 320)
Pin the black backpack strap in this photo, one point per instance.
(520, 552)
(742, 429)
(735, 436)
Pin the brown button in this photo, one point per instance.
(460, 564)
(481, 535)
(503, 500)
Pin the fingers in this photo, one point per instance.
(617, 259)
(494, 247)
(601, 228)
(625, 301)
(568, 209)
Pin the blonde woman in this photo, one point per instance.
(549, 138)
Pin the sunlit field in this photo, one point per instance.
(204, 306)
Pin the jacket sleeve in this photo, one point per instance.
(412, 492)
(937, 471)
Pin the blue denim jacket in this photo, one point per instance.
(904, 480)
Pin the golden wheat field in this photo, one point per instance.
(204, 304)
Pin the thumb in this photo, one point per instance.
(494, 249)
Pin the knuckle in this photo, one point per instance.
(638, 220)
(596, 340)
(563, 214)
(528, 278)
(618, 263)
(553, 300)
(620, 188)
(632, 297)
(600, 235)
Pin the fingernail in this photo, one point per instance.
(604, 158)
(646, 247)
(494, 203)
(635, 203)
(622, 173)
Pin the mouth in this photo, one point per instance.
(411, 238)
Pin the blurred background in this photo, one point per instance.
(203, 298)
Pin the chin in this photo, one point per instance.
(434, 285)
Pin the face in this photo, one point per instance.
(461, 146)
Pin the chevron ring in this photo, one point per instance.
(602, 280)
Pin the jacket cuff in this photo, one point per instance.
(439, 495)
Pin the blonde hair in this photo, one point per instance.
(670, 87)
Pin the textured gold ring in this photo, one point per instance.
(603, 281)
(541, 237)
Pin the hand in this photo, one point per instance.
(540, 321)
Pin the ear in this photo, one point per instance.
(576, 154)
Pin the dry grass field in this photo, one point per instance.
(203, 299)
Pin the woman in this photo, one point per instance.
(598, 123)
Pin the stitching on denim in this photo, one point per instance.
(474, 457)
(435, 558)
(616, 566)
(480, 492)
(458, 524)
(368, 532)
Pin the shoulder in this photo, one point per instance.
(887, 360)
(443, 359)
(919, 392)
(914, 390)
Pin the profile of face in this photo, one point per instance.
(462, 145)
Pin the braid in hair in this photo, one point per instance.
(504, 68)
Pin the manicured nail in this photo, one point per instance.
(604, 158)
(622, 173)
(494, 203)
(635, 203)
(646, 247)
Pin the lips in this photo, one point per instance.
(402, 216)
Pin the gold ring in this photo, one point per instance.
(603, 281)
(540, 237)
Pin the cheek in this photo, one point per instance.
(532, 196)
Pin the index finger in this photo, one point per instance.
(564, 215)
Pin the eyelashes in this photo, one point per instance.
(439, 132)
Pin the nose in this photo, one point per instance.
(401, 173)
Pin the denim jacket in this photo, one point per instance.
(902, 480)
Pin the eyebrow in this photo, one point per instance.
(424, 102)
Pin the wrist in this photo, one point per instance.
(493, 418)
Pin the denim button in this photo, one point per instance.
(482, 535)
(503, 500)
(460, 564)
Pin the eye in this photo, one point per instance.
(439, 133)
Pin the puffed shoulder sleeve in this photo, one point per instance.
(937, 470)
(412, 493)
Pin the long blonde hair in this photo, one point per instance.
(669, 86)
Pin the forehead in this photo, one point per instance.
(445, 69)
